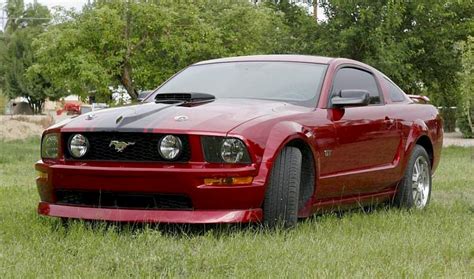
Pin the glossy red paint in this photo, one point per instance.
(359, 153)
(151, 216)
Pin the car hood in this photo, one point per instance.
(219, 116)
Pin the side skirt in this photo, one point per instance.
(325, 205)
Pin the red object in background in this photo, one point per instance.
(419, 99)
(70, 108)
(360, 154)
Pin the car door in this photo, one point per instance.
(367, 139)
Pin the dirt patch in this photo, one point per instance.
(23, 127)
(456, 139)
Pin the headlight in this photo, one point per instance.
(50, 146)
(225, 150)
(78, 145)
(232, 150)
(170, 147)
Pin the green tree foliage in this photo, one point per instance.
(16, 54)
(303, 29)
(139, 44)
(466, 117)
(413, 42)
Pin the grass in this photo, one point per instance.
(438, 242)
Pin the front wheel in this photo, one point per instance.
(280, 206)
(414, 190)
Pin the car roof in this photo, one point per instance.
(275, 57)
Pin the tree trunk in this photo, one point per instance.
(35, 105)
(469, 115)
(126, 80)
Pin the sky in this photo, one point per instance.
(77, 4)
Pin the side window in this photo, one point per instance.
(396, 94)
(352, 78)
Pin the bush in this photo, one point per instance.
(449, 119)
(464, 125)
(3, 103)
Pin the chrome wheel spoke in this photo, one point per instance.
(416, 171)
(415, 196)
(420, 182)
(421, 169)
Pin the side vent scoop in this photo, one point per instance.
(184, 98)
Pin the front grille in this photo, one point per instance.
(144, 149)
(123, 200)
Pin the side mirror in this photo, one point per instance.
(351, 98)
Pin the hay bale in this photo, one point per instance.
(22, 108)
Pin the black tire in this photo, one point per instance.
(404, 197)
(280, 207)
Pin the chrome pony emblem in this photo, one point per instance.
(120, 145)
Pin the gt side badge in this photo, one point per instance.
(327, 152)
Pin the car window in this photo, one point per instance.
(352, 78)
(292, 82)
(396, 94)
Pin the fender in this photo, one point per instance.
(281, 134)
(417, 129)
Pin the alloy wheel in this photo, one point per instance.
(420, 182)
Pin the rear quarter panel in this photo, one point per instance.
(416, 121)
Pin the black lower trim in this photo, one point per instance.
(124, 200)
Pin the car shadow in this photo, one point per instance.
(341, 213)
(193, 230)
(169, 230)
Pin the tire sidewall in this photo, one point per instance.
(404, 196)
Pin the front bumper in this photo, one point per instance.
(210, 204)
(151, 216)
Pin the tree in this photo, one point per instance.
(411, 41)
(140, 44)
(466, 117)
(303, 30)
(16, 54)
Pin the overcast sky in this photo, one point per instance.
(77, 4)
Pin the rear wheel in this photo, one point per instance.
(414, 190)
(280, 207)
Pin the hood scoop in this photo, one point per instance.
(184, 99)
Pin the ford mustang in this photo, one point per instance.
(246, 139)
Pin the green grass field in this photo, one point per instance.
(438, 242)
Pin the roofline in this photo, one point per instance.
(271, 58)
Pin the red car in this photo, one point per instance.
(245, 139)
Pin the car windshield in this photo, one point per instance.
(292, 82)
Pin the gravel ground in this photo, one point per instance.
(21, 127)
(456, 139)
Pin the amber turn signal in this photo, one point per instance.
(228, 181)
(42, 175)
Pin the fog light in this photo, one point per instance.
(245, 180)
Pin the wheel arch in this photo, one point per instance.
(419, 135)
(425, 142)
(293, 134)
(308, 171)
